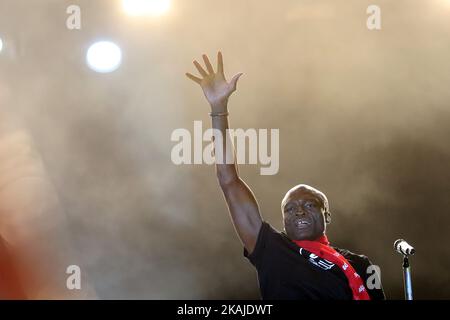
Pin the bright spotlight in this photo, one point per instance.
(1, 44)
(104, 56)
(146, 7)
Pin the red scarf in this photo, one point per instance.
(321, 248)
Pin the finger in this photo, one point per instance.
(235, 79)
(194, 78)
(208, 64)
(200, 69)
(219, 63)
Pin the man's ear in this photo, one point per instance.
(327, 217)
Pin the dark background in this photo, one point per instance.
(363, 116)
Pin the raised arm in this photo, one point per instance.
(242, 205)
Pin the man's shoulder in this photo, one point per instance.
(366, 269)
(268, 228)
(360, 259)
(279, 235)
(267, 224)
(268, 242)
(360, 262)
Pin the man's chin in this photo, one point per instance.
(305, 236)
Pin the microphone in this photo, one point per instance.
(403, 247)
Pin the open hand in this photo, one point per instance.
(215, 87)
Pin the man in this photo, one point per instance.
(297, 263)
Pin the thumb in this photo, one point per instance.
(235, 79)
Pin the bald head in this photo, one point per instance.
(304, 188)
(305, 212)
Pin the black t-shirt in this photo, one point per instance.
(288, 273)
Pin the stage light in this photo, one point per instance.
(1, 44)
(146, 7)
(104, 56)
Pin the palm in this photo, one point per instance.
(215, 87)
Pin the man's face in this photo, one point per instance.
(303, 215)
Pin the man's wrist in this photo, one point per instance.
(218, 114)
(219, 107)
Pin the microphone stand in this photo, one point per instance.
(407, 278)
